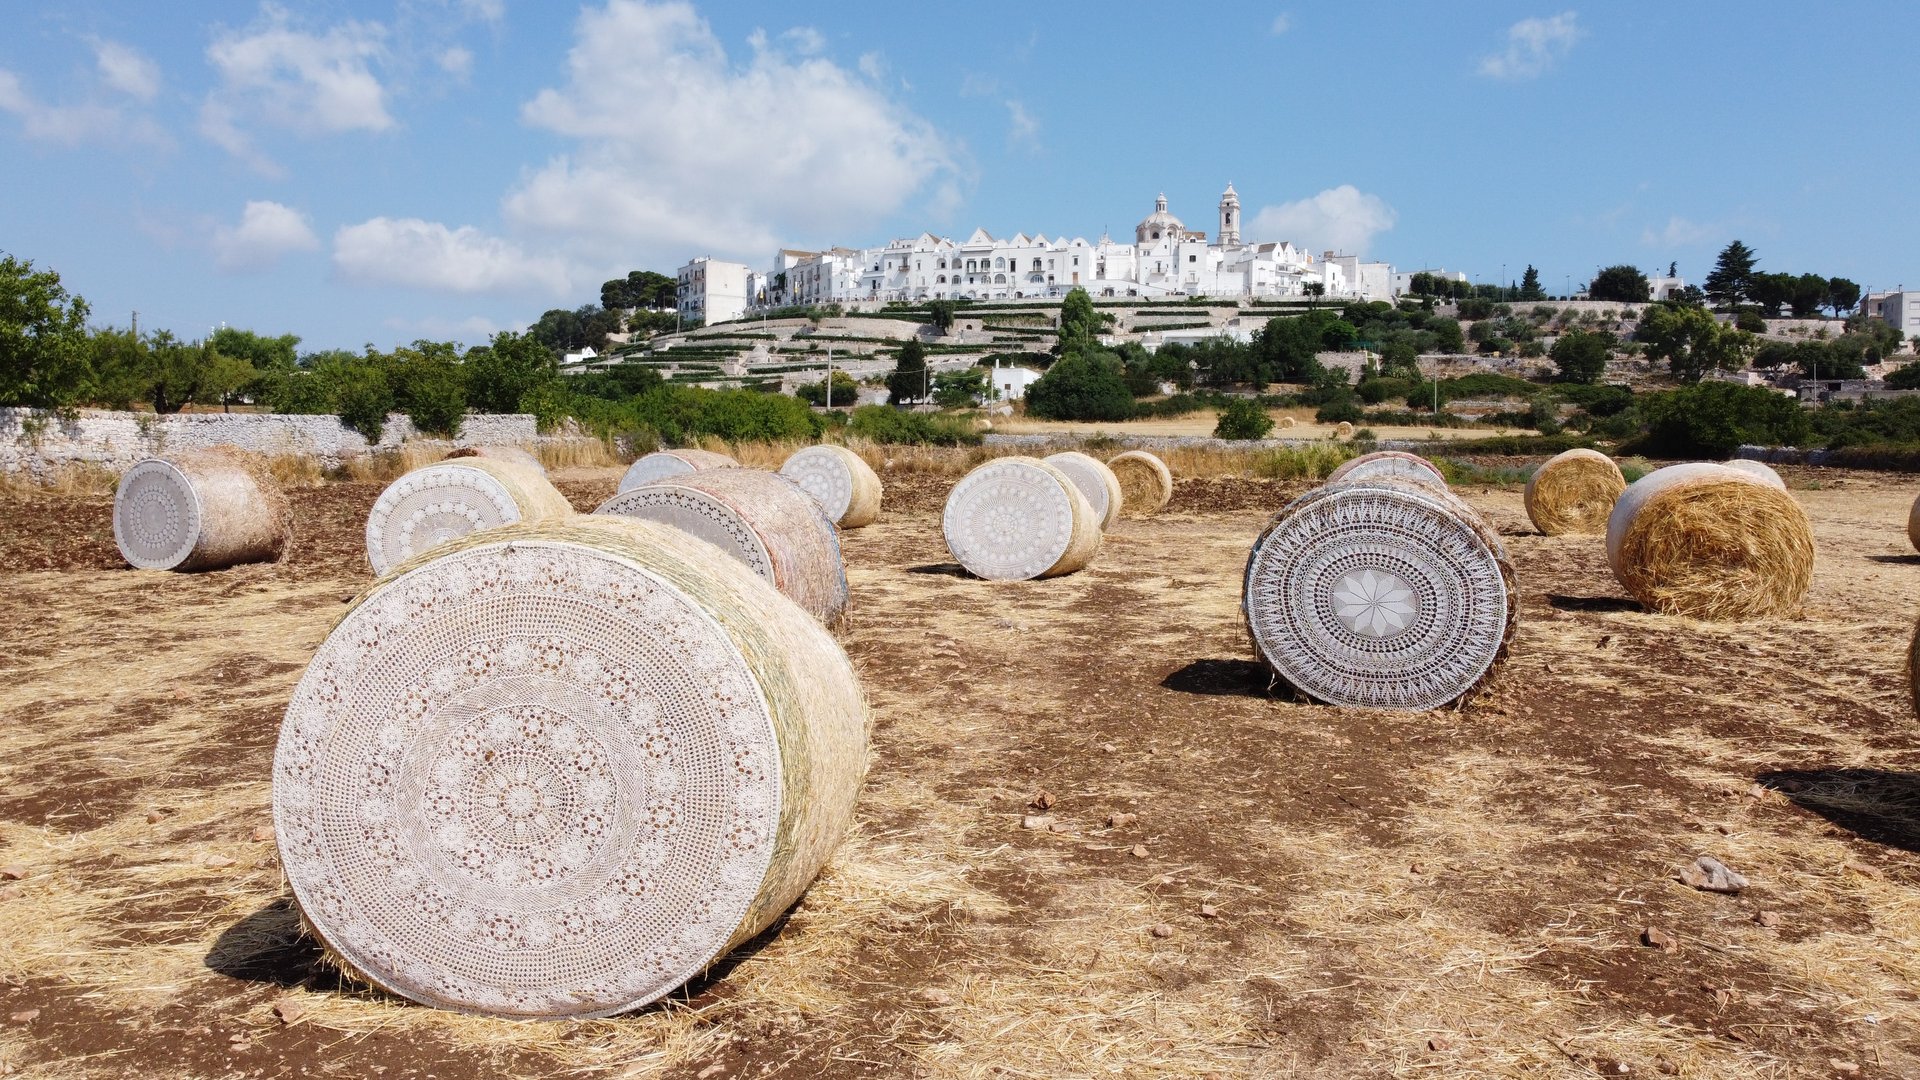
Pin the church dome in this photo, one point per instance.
(1159, 224)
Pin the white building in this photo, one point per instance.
(1403, 283)
(1901, 310)
(1010, 383)
(712, 291)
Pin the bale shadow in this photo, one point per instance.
(1897, 560)
(269, 947)
(1236, 678)
(950, 569)
(1593, 603)
(1874, 804)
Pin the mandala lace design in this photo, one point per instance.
(430, 506)
(696, 514)
(1086, 477)
(821, 474)
(653, 468)
(1376, 595)
(1008, 521)
(532, 780)
(156, 516)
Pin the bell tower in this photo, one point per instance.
(1229, 217)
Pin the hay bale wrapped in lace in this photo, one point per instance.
(1097, 484)
(839, 480)
(1392, 464)
(517, 455)
(762, 519)
(450, 499)
(1018, 518)
(662, 464)
(1710, 542)
(1574, 492)
(1380, 593)
(1146, 484)
(1759, 470)
(558, 769)
(199, 510)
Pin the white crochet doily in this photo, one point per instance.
(1008, 520)
(430, 506)
(527, 779)
(156, 516)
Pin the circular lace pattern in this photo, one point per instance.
(699, 515)
(1086, 474)
(1391, 465)
(821, 473)
(156, 516)
(527, 780)
(1008, 520)
(653, 468)
(1376, 595)
(430, 506)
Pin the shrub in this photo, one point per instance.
(896, 426)
(1081, 386)
(1711, 420)
(1751, 322)
(1339, 409)
(1243, 418)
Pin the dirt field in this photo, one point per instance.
(1305, 891)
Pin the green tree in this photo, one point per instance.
(1530, 285)
(1620, 283)
(500, 374)
(1714, 419)
(225, 376)
(430, 386)
(1581, 356)
(1692, 341)
(120, 368)
(909, 381)
(1809, 295)
(940, 314)
(176, 371)
(960, 389)
(43, 338)
(1081, 386)
(364, 395)
(1242, 418)
(845, 390)
(1771, 292)
(1731, 280)
(640, 289)
(1842, 294)
(1079, 322)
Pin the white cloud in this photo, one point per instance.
(428, 255)
(267, 230)
(681, 149)
(1679, 232)
(73, 125)
(1281, 24)
(473, 328)
(277, 75)
(1532, 47)
(1022, 128)
(484, 10)
(455, 61)
(127, 70)
(1344, 219)
(805, 40)
(873, 66)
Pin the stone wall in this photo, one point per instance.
(41, 443)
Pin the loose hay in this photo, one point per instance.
(1380, 593)
(514, 454)
(841, 481)
(1759, 470)
(1343, 430)
(1096, 483)
(762, 519)
(664, 463)
(199, 510)
(1018, 518)
(1392, 464)
(1574, 492)
(558, 769)
(1146, 484)
(1710, 542)
(447, 500)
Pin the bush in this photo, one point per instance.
(1711, 420)
(1081, 386)
(1376, 390)
(897, 426)
(1344, 408)
(1243, 418)
(1751, 322)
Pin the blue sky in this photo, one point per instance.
(358, 172)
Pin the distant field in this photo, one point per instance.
(1201, 423)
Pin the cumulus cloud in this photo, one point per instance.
(277, 75)
(267, 231)
(127, 70)
(1344, 219)
(75, 124)
(455, 61)
(1679, 232)
(680, 149)
(428, 255)
(1281, 24)
(1532, 47)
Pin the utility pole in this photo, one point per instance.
(136, 326)
(829, 378)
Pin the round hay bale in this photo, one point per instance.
(1343, 430)
(840, 480)
(556, 770)
(199, 510)
(449, 499)
(1759, 470)
(1380, 593)
(1018, 518)
(664, 463)
(1573, 492)
(1710, 542)
(1097, 484)
(515, 454)
(762, 519)
(1913, 670)
(1392, 464)
(1287, 422)
(1913, 524)
(1146, 484)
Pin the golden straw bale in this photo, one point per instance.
(517, 455)
(1574, 492)
(1710, 542)
(1146, 484)
(1343, 430)
(1913, 524)
(1287, 422)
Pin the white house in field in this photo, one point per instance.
(1009, 383)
